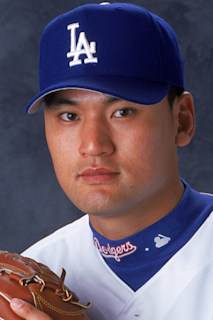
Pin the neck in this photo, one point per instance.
(152, 210)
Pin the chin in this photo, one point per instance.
(96, 202)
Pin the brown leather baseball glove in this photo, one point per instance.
(35, 283)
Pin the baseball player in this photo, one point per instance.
(111, 79)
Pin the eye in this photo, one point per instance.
(69, 116)
(121, 113)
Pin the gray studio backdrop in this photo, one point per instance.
(31, 202)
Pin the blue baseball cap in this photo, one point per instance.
(118, 49)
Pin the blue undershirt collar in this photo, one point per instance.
(137, 258)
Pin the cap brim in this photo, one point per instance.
(128, 88)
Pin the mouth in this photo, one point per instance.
(98, 175)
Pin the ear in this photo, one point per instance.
(184, 109)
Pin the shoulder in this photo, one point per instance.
(207, 196)
(53, 249)
(200, 199)
(204, 200)
(199, 205)
(68, 231)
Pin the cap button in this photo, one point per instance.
(104, 3)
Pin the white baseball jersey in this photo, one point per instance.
(181, 290)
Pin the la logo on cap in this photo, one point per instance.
(80, 47)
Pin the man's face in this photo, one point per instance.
(111, 157)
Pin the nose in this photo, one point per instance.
(96, 139)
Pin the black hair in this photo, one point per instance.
(49, 99)
(173, 93)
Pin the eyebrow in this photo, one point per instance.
(110, 99)
(57, 101)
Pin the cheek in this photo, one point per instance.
(147, 149)
(138, 142)
(62, 152)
